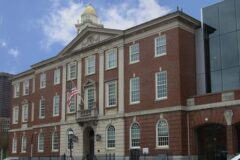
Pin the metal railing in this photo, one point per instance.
(87, 115)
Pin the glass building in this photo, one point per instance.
(223, 55)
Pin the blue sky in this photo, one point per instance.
(34, 30)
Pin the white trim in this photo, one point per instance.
(86, 65)
(130, 136)
(86, 96)
(54, 103)
(57, 76)
(111, 51)
(74, 99)
(23, 113)
(42, 150)
(110, 148)
(26, 88)
(43, 80)
(16, 90)
(40, 106)
(107, 93)
(24, 138)
(156, 127)
(156, 86)
(130, 94)
(15, 119)
(155, 46)
(53, 136)
(130, 53)
(69, 71)
(14, 144)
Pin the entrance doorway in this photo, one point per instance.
(88, 143)
(212, 142)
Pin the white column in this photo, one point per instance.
(63, 92)
(101, 83)
(79, 83)
(121, 79)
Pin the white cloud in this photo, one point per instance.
(13, 52)
(3, 44)
(59, 25)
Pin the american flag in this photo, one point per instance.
(70, 94)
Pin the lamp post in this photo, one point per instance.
(70, 141)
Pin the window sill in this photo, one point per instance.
(89, 74)
(110, 107)
(24, 122)
(160, 55)
(42, 87)
(71, 113)
(110, 149)
(40, 151)
(23, 151)
(162, 147)
(133, 62)
(72, 79)
(56, 84)
(108, 69)
(133, 103)
(54, 150)
(41, 118)
(134, 148)
(56, 115)
(161, 99)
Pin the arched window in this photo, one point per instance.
(162, 133)
(55, 142)
(24, 144)
(111, 137)
(40, 142)
(14, 145)
(135, 136)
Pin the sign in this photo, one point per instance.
(145, 150)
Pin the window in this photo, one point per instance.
(134, 90)
(15, 115)
(25, 113)
(161, 85)
(72, 71)
(111, 59)
(111, 137)
(90, 65)
(57, 74)
(111, 94)
(90, 97)
(162, 133)
(26, 87)
(134, 53)
(72, 105)
(42, 108)
(16, 90)
(14, 145)
(24, 144)
(40, 142)
(135, 136)
(56, 103)
(160, 45)
(55, 142)
(43, 80)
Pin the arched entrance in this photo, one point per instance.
(88, 143)
(212, 142)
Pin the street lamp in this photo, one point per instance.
(70, 141)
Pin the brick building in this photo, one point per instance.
(136, 90)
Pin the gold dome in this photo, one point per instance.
(89, 10)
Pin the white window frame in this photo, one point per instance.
(73, 102)
(86, 96)
(25, 113)
(39, 149)
(107, 136)
(87, 59)
(157, 141)
(155, 46)
(15, 115)
(24, 144)
(57, 76)
(14, 144)
(72, 64)
(26, 88)
(107, 93)
(131, 100)
(40, 108)
(131, 53)
(130, 135)
(43, 80)
(156, 86)
(53, 141)
(108, 53)
(17, 90)
(55, 106)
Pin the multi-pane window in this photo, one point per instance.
(14, 145)
(17, 90)
(72, 71)
(111, 94)
(55, 142)
(111, 59)
(160, 45)
(57, 74)
(40, 142)
(162, 134)
(134, 90)
(90, 65)
(90, 97)
(15, 115)
(43, 80)
(72, 105)
(24, 144)
(26, 87)
(134, 53)
(111, 137)
(25, 113)
(42, 107)
(56, 104)
(161, 85)
(135, 136)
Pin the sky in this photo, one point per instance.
(35, 30)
